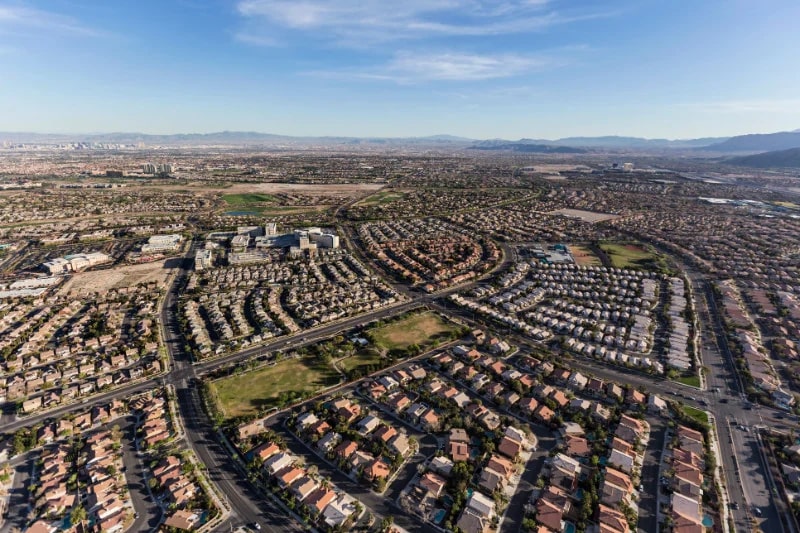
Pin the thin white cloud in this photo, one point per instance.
(418, 67)
(790, 105)
(360, 22)
(15, 19)
(463, 67)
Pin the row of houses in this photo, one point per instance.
(686, 459)
(374, 452)
(108, 500)
(155, 425)
(324, 502)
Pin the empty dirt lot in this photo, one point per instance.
(113, 278)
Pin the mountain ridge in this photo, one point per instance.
(739, 143)
(776, 159)
(758, 142)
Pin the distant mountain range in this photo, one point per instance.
(778, 159)
(222, 138)
(758, 142)
(741, 143)
(613, 141)
(526, 147)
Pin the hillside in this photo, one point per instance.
(778, 159)
(525, 147)
(758, 142)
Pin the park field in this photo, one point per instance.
(416, 329)
(362, 358)
(629, 256)
(246, 394)
(238, 200)
(583, 256)
(380, 198)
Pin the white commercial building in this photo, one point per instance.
(75, 262)
(162, 243)
(203, 260)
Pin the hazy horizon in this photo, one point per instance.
(518, 69)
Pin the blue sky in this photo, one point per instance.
(477, 68)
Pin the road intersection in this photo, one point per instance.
(742, 465)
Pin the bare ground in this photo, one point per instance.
(114, 278)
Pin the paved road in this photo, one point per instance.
(516, 506)
(380, 505)
(648, 501)
(100, 399)
(247, 504)
(745, 488)
(727, 403)
(16, 515)
(147, 509)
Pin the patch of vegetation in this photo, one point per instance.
(289, 209)
(417, 329)
(381, 198)
(634, 256)
(584, 256)
(273, 386)
(247, 199)
(692, 380)
(364, 358)
(696, 414)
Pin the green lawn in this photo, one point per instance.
(359, 359)
(696, 414)
(634, 256)
(245, 394)
(415, 329)
(380, 198)
(246, 199)
(692, 381)
(290, 209)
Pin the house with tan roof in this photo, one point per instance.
(459, 451)
(549, 515)
(289, 475)
(183, 520)
(616, 488)
(577, 446)
(509, 447)
(490, 481)
(377, 470)
(544, 414)
(303, 486)
(339, 510)
(691, 440)
(266, 450)
(623, 461)
(346, 449)
(611, 521)
(278, 462)
(687, 508)
(433, 483)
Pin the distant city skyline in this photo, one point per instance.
(368, 68)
